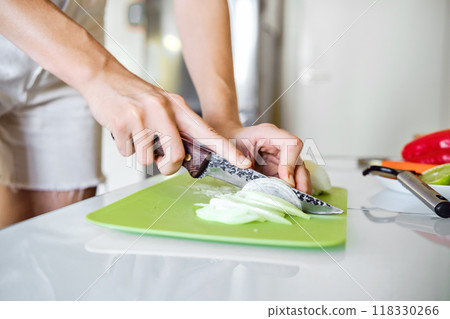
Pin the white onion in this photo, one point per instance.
(319, 178)
(249, 206)
(275, 187)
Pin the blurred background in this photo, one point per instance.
(359, 78)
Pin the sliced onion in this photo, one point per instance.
(248, 206)
(268, 213)
(238, 200)
(273, 201)
(275, 187)
(319, 178)
(226, 217)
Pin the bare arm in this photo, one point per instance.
(204, 28)
(123, 103)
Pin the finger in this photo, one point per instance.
(303, 179)
(123, 141)
(143, 143)
(173, 150)
(290, 149)
(170, 141)
(160, 117)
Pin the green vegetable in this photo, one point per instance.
(438, 175)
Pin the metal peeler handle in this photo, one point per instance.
(435, 201)
(425, 193)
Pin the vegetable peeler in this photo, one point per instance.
(435, 201)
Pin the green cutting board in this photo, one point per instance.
(167, 209)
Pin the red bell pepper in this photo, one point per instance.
(433, 148)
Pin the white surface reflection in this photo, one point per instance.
(115, 242)
(392, 256)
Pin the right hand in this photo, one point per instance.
(134, 111)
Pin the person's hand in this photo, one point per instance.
(134, 111)
(274, 152)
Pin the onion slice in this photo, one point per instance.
(226, 217)
(319, 178)
(273, 201)
(249, 206)
(275, 187)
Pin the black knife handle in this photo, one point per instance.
(196, 157)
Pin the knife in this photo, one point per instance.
(201, 161)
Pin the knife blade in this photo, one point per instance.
(201, 161)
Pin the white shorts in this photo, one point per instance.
(48, 137)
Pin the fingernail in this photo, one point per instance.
(245, 161)
(291, 180)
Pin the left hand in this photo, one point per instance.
(274, 152)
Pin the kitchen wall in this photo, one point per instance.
(361, 78)
(365, 78)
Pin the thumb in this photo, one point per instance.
(289, 159)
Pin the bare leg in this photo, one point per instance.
(20, 204)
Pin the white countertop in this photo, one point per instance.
(387, 256)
